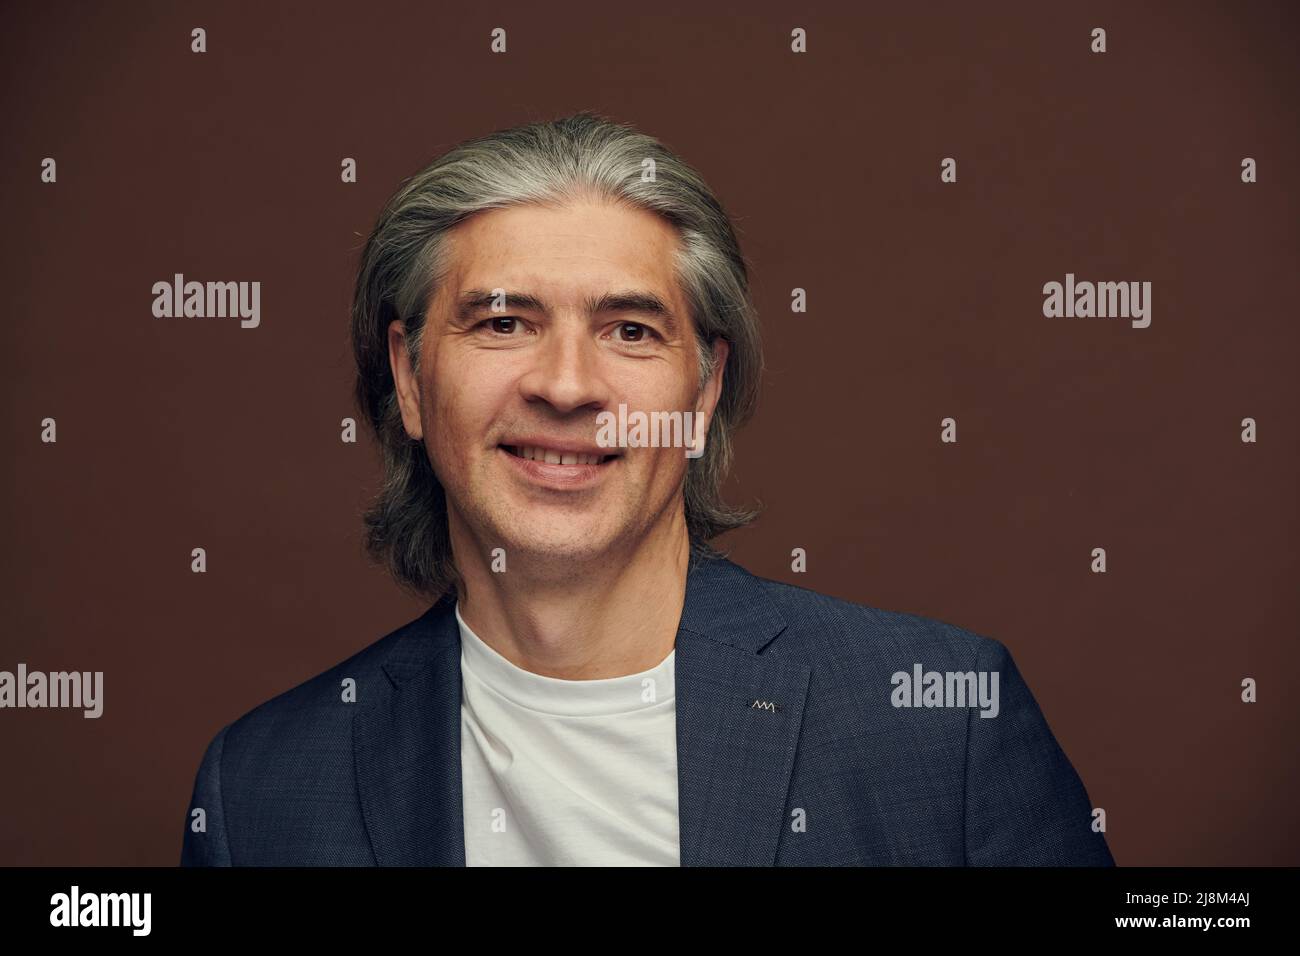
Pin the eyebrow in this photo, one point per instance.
(633, 300)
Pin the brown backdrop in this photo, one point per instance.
(924, 299)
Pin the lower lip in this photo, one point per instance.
(558, 476)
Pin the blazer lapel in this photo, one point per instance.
(406, 744)
(739, 715)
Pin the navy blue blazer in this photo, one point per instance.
(790, 749)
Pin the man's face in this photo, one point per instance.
(580, 332)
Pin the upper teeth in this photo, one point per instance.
(553, 457)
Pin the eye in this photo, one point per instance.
(633, 332)
(502, 325)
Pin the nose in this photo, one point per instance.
(566, 371)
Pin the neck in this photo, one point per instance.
(615, 613)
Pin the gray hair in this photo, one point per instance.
(404, 260)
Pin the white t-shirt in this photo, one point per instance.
(566, 772)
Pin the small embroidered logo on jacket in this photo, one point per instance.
(765, 705)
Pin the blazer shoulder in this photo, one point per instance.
(837, 626)
(317, 704)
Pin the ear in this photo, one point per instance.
(408, 389)
(710, 392)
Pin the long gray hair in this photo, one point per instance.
(546, 163)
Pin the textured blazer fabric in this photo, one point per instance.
(809, 733)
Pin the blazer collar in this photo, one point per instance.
(739, 715)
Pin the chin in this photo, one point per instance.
(571, 543)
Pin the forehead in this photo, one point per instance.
(565, 253)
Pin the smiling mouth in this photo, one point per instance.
(551, 456)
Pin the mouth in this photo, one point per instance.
(555, 456)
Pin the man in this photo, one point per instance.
(593, 684)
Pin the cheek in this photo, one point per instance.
(444, 428)
(463, 416)
(667, 466)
